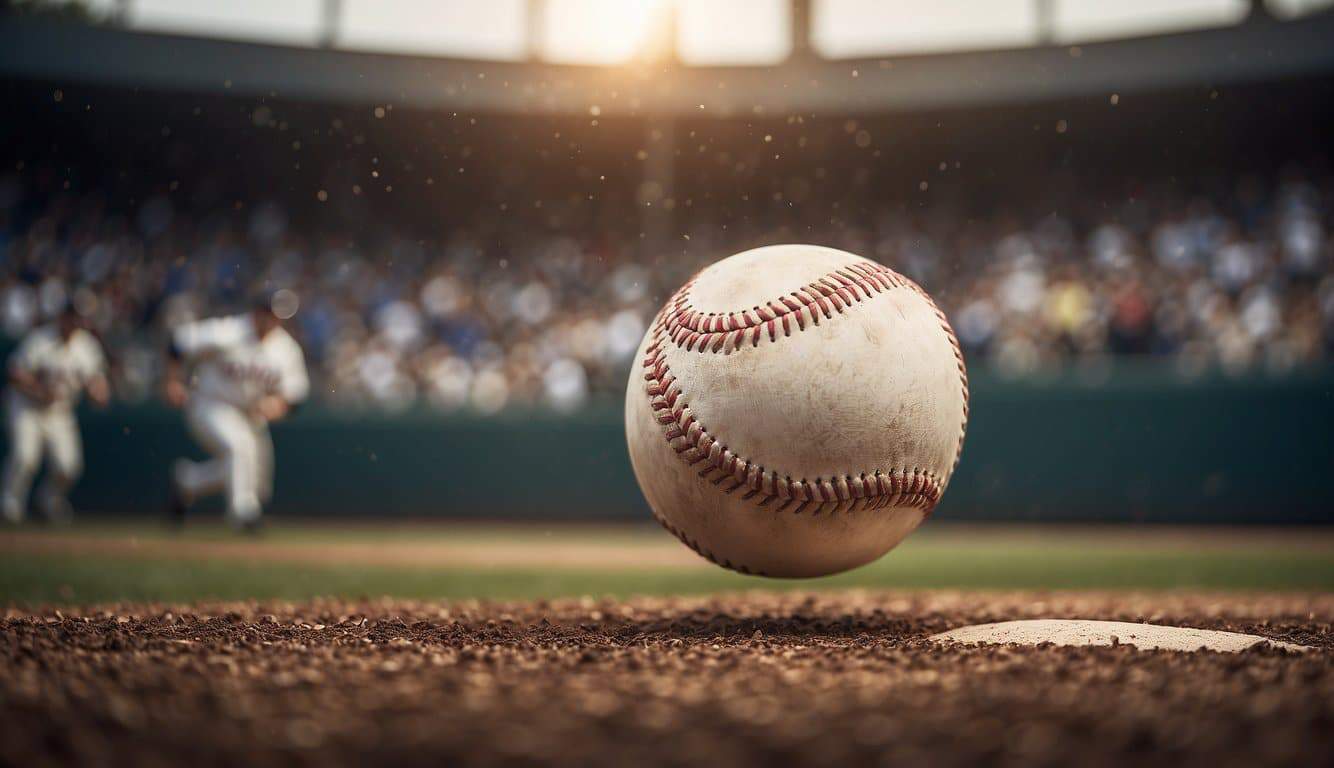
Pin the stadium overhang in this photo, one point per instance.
(59, 52)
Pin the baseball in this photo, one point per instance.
(796, 411)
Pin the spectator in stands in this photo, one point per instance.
(499, 315)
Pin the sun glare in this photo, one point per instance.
(599, 31)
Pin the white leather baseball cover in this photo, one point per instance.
(796, 411)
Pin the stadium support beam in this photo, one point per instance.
(331, 15)
(41, 49)
(535, 29)
(1260, 13)
(1046, 16)
(799, 27)
(661, 45)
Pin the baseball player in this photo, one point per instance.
(50, 369)
(244, 372)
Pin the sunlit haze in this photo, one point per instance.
(598, 31)
(706, 32)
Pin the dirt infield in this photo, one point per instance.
(742, 680)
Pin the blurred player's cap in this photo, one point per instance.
(283, 303)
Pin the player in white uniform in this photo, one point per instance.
(244, 372)
(50, 369)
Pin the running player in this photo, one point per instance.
(50, 369)
(234, 376)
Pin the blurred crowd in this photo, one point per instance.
(482, 321)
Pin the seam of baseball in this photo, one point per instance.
(699, 549)
(898, 487)
(963, 373)
(726, 331)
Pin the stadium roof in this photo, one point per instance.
(701, 31)
(59, 52)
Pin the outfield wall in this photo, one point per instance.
(1136, 444)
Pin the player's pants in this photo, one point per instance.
(242, 463)
(32, 432)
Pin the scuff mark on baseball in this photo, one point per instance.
(796, 411)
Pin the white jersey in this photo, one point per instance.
(64, 366)
(232, 365)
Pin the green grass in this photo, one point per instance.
(942, 557)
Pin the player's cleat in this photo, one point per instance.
(252, 527)
(177, 506)
(58, 512)
(176, 509)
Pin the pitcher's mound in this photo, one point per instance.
(1082, 632)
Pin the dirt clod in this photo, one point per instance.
(740, 680)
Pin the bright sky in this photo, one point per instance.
(1098, 19)
(708, 31)
(847, 28)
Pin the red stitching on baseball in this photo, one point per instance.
(691, 441)
(704, 553)
(963, 369)
(725, 331)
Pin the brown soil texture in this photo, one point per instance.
(752, 679)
